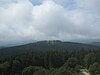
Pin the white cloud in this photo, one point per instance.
(20, 20)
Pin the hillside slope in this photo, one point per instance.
(53, 45)
(95, 43)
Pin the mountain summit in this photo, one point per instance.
(52, 42)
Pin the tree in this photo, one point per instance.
(4, 68)
(28, 70)
(16, 66)
(94, 69)
(42, 72)
(72, 62)
(65, 70)
(89, 59)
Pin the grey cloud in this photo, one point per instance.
(51, 20)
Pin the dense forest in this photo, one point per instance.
(51, 45)
(50, 58)
(52, 63)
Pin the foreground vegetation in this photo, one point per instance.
(52, 63)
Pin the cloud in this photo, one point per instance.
(22, 20)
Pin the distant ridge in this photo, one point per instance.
(95, 43)
(47, 45)
(50, 41)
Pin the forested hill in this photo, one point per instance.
(95, 43)
(58, 58)
(52, 45)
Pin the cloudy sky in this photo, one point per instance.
(66, 20)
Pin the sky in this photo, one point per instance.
(34, 20)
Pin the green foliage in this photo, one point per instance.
(28, 70)
(89, 59)
(51, 63)
(72, 62)
(4, 68)
(16, 66)
(41, 72)
(95, 69)
(77, 68)
(66, 70)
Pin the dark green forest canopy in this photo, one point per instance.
(51, 63)
(54, 45)
(50, 58)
